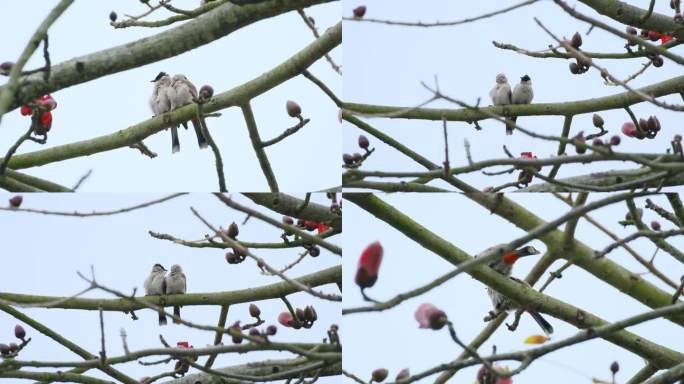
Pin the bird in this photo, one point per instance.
(501, 95)
(504, 265)
(160, 102)
(184, 93)
(176, 284)
(522, 93)
(155, 284)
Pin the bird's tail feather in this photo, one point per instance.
(201, 140)
(176, 312)
(175, 143)
(545, 325)
(162, 318)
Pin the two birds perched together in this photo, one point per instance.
(170, 93)
(501, 94)
(504, 265)
(159, 283)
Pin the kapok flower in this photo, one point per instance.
(369, 264)
(322, 228)
(286, 319)
(429, 316)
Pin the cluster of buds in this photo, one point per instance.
(429, 316)
(525, 176)
(359, 11)
(647, 128)
(182, 365)
(302, 318)
(264, 333)
(237, 256)
(486, 376)
(12, 349)
(40, 111)
(581, 64)
(15, 201)
(648, 35)
(355, 160)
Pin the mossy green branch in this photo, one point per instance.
(236, 96)
(606, 179)
(273, 291)
(660, 356)
(631, 15)
(213, 25)
(620, 100)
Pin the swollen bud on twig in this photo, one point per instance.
(575, 68)
(615, 367)
(6, 67)
(369, 264)
(348, 159)
(293, 109)
(576, 41)
(4, 349)
(288, 220)
(271, 330)
(237, 330)
(359, 11)
(657, 61)
(597, 120)
(112, 16)
(19, 332)
(403, 374)
(363, 142)
(232, 231)
(615, 140)
(15, 201)
(429, 316)
(655, 225)
(379, 375)
(254, 311)
(254, 332)
(314, 251)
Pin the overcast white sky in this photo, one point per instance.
(115, 102)
(386, 64)
(393, 337)
(41, 254)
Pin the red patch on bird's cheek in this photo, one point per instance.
(510, 258)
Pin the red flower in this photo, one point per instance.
(629, 129)
(369, 264)
(310, 225)
(665, 38)
(183, 344)
(322, 228)
(285, 318)
(527, 155)
(429, 316)
(25, 110)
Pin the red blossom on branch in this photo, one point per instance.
(369, 264)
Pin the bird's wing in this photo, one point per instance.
(492, 93)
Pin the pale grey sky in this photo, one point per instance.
(386, 64)
(41, 254)
(115, 102)
(393, 339)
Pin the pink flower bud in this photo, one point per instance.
(429, 316)
(369, 264)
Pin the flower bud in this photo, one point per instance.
(429, 316)
(19, 332)
(300, 314)
(653, 35)
(232, 258)
(15, 201)
(653, 124)
(357, 157)
(237, 333)
(112, 16)
(13, 347)
(288, 220)
(403, 374)
(629, 129)
(631, 30)
(597, 120)
(348, 159)
(232, 231)
(369, 264)
(379, 375)
(293, 109)
(615, 367)
(359, 11)
(597, 142)
(575, 68)
(4, 349)
(657, 61)
(271, 330)
(254, 311)
(363, 142)
(655, 225)
(310, 314)
(254, 332)
(576, 41)
(314, 251)
(286, 319)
